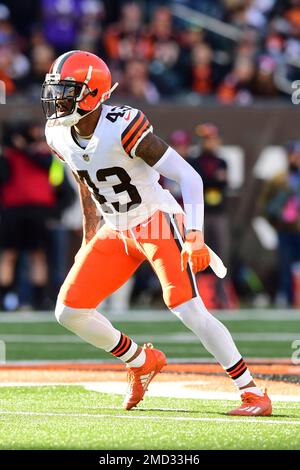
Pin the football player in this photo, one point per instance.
(117, 161)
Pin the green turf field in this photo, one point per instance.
(70, 417)
(257, 334)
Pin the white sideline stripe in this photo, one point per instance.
(232, 420)
(166, 338)
(178, 390)
(158, 389)
(158, 316)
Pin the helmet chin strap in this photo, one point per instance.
(75, 117)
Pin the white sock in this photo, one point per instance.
(125, 348)
(239, 373)
(139, 361)
(211, 332)
(215, 337)
(95, 329)
(256, 390)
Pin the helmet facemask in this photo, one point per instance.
(61, 99)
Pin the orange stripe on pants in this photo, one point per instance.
(163, 252)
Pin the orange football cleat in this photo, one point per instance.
(140, 377)
(253, 405)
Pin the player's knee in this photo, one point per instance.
(78, 296)
(176, 296)
(65, 315)
(193, 314)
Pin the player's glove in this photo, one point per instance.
(195, 251)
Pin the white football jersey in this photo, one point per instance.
(124, 187)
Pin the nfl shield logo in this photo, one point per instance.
(86, 157)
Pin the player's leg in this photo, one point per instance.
(10, 240)
(101, 268)
(182, 297)
(35, 233)
(286, 259)
(7, 277)
(39, 278)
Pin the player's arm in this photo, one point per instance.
(90, 214)
(156, 153)
(170, 164)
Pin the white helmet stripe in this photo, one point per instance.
(60, 61)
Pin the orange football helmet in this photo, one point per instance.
(77, 83)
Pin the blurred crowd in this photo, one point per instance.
(153, 53)
(279, 203)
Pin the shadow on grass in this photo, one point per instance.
(178, 410)
(206, 412)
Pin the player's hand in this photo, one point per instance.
(195, 251)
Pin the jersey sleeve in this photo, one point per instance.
(135, 127)
(49, 140)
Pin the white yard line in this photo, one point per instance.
(164, 338)
(232, 420)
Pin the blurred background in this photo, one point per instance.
(216, 79)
